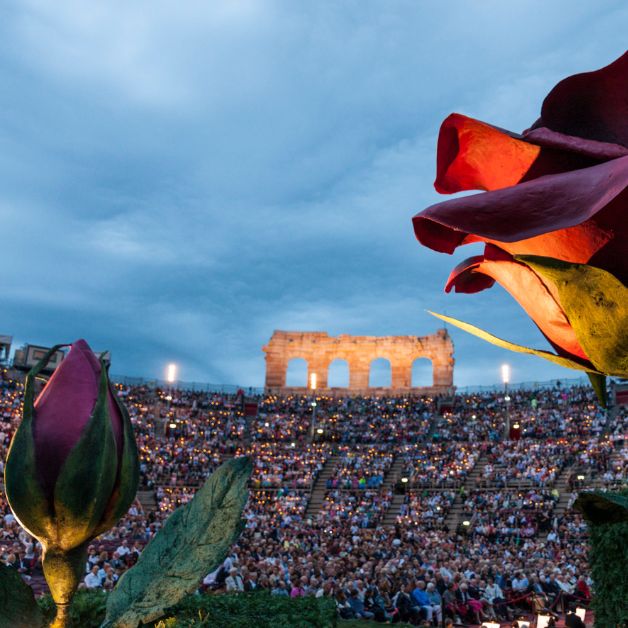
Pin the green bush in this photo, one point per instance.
(257, 610)
(88, 608)
(260, 610)
(609, 559)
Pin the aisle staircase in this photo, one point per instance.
(393, 511)
(390, 479)
(455, 512)
(147, 500)
(562, 486)
(320, 486)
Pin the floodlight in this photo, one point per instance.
(171, 373)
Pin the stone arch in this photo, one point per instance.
(380, 373)
(319, 349)
(338, 373)
(422, 372)
(297, 372)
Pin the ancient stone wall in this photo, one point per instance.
(319, 349)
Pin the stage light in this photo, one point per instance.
(173, 426)
(466, 524)
(581, 477)
(505, 373)
(171, 373)
(404, 480)
(516, 426)
(319, 430)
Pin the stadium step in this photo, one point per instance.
(390, 518)
(455, 512)
(319, 488)
(147, 500)
(564, 494)
(394, 473)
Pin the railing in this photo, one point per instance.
(230, 389)
(552, 383)
(256, 390)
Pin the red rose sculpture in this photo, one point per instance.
(553, 216)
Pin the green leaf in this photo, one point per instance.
(194, 541)
(596, 304)
(22, 488)
(18, 607)
(598, 382)
(505, 344)
(88, 476)
(600, 507)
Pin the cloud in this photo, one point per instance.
(179, 180)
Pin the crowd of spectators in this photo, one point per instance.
(498, 514)
(361, 466)
(283, 464)
(522, 460)
(427, 510)
(343, 510)
(438, 464)
(514, 549)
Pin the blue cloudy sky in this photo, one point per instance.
(178, 179)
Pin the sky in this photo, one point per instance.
(177, 180)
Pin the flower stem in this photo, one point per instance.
(63, 570)
(62, 618)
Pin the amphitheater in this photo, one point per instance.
(426, 475)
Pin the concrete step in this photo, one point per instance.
(317, 497)
(391, 514)
(147, 500)
(394, 473)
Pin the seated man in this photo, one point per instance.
(421, 599)
(92, 580)
(435, 602)
(357, 605)
(406, 606)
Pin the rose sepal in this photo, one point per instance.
(570, 363)
(23, 489)
(128, 476)
(596, 304)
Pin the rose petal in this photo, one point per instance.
(63, 408)
(602, 151)
(473, 155)
(577, 216)
(592, 105)
(528, 289)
